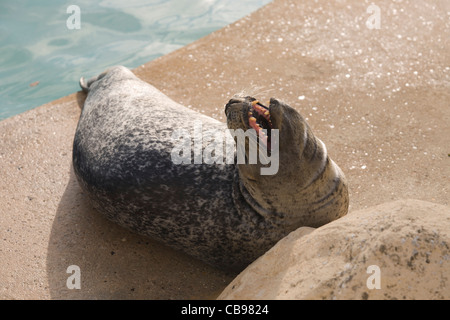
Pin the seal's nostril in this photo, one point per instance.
(227, 106)
(231, 102)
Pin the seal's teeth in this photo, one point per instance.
(252, 119)
(254, 103)
(260, 108)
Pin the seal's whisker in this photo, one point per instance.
(264, 92)
(254, 91)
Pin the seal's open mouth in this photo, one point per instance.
(259, 119)
(248, 113)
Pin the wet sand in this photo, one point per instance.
(378, 98)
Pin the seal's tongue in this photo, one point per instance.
(258, 119)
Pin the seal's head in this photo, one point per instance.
(306, 178)
(248, 113)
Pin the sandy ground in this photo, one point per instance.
(378, 98)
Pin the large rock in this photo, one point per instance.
(402, 246)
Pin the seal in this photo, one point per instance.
(224, 214)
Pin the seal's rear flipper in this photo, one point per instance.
(85, 85)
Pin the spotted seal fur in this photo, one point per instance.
(224, 214)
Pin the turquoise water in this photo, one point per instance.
(41, 59)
